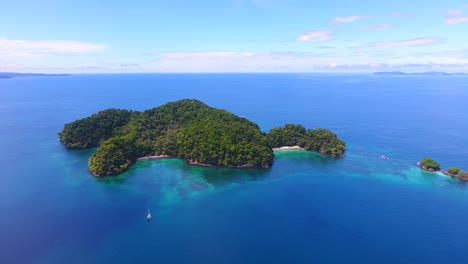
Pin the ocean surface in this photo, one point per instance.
(306, 209)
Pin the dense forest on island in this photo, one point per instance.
(454, 171)
(430, 164)
(319, 140)
(187, 129)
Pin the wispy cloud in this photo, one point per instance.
(205, 55)
(37, 48)
(6, 66)
(401, 14)
(321, 60)
(377, 28)
(407, 43)
(455, 17)
(325, 47)
(256, 3)
(315, 36)
(347, 19)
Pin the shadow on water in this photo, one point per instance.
(79, 154)
(213, 175)
(124, 177)
(188, 179)
(303, 157)
(217, 177)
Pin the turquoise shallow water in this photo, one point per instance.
(306, 208)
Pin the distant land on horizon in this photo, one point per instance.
(8, 75)
(419, 73)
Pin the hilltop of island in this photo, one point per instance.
(438, 73)
(9, 75)
(190, 130)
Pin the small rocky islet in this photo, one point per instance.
(431, 165)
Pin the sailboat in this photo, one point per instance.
(148, 217)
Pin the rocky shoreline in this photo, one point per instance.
(458, 176)
(196, 163)
(192, 162)
(426, 169)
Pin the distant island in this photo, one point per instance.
(431, 165)
(419, 73)
(190, 130)
(457, 173)
(9, 75)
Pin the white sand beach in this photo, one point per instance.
(287, 147)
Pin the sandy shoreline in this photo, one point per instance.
(153, 157)
(196, 163)
(287, 147)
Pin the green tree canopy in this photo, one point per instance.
(319, 140)
(430, 164)
(187, 129)
(89, 132)
(453, 170)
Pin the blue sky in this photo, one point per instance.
(233, 36)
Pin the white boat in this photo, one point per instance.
(148, 217)
(384, 157)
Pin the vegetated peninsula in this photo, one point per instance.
(419, 73)
(187, 129)
(9, 75)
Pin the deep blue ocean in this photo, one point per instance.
(306, 209)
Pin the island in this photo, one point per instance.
(428, 164)
(9, 75)
(431, 165)
(296, 136)
(437, 73)
(457, 173)
(190, 130)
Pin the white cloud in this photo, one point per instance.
(407, 43)
(8, 66)
(378, 28)
(204, 55)
(318, 60)
(315, 36)
(401, 14)
(334, 60)
(228, 61)
(37, 48)
(455, 17)
(347, 19)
